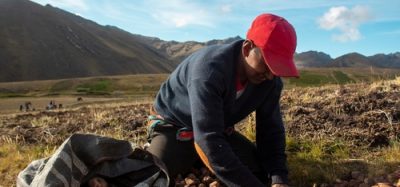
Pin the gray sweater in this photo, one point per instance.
(200, 94)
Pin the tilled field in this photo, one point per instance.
(362, 115)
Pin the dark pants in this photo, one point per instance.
(181, 156)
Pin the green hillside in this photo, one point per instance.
(148, 84)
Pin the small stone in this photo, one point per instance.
(338, 180)
(207, 179)
(202, 185)
(189, 181)
(215, 184)
(341, 184)
(384, 185)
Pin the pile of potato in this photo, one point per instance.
(198, 178)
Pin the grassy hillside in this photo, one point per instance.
(148, 84)
(323, 76)
(107, 85)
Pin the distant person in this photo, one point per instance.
(21, 108)
(27, 105)
(60, 105)
(51, 105)
(216, 87)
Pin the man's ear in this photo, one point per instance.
(246, 47)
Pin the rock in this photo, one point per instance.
(338, 180)
(180, 183)
(384, 185)
(207, 179)
(189, 181)
(215, 184)
(202, 185)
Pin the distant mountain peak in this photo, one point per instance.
(44, 42)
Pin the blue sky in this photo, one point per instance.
(335, 27)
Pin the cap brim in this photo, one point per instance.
(280, 65)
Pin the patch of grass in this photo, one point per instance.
(388, 159)
(44, 121)
(321, 161)
(15, 157)
(341, 77)
(97, 87)
(313, 161)
(310, 78)
(318, 161)
(11, 95)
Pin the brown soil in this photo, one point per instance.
(53, 127)
(362, 115)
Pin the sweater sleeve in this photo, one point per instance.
(206, 97)
(270, 136)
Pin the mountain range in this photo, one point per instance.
(44, 42)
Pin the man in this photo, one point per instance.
(216, 87)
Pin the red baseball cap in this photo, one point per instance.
(276, 38)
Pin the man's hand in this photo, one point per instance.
(280, 185)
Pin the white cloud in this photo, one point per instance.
(181, 13)
(226, 8)
(346, 21)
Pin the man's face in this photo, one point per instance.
(256, 69)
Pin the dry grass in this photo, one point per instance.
(14, 157)
(311, 160)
